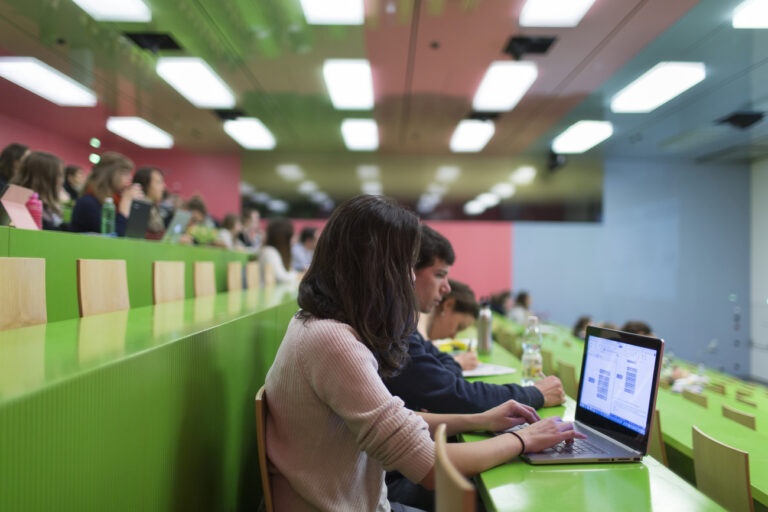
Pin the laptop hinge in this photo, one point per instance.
(607, 437)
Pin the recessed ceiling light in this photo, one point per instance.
(503, 190)
(318, 197)
(250, 133)
(373, 188)
(277, 205)
(307, 187)
(368, 172)
(751, 14)
(447, 173)
(523, 175)
(471, 135)
(140, 132)
(503, 85)
(474, 207)
(437, 189)
(194, 79)
(658, 85)
(360, 134)
(333, 12)
(428, 202)
(290, 172)
(45, 81)
(582, 136)
(116, 10)
(349, 83)
(554, 13)
(487, 199)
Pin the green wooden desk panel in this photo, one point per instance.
(518, 486)
(61, 251)
(4, 234)
(150, 409)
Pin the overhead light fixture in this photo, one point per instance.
(503, 190)
(116, 10)
(140, 132)
(474, 207)
(290, 172)
(373, 188)
(428, 202)
(49, 83)
(333, 12)
(487, 199)
(194, 79)
(503, 85)
(318, 197)
(368, 172)
(554, 13)
(307, 187)
(471, 135)
(360, 134)
(658, 85)
(447, 174)
(437, 189)
(250, 133)
(277, 205)
(751, 14)
(523, 175)
(349, 83)
(582, 136)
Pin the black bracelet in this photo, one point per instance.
(521, 442)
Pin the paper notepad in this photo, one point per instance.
(486, 370)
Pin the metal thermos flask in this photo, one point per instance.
(484, 340)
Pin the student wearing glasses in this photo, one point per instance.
(333, 428)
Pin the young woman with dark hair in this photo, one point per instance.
(276, 251)
(10, 160)
(333, 428)
(43, 173)
(152, 184)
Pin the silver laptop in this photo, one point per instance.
(177, 227)
(617, 398)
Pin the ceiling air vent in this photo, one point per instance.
(742, 119)
(153, 41)
(517, 46)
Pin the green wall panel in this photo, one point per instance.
(61, 251)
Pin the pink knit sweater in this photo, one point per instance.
(333, 428)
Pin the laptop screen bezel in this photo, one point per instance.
(602, 424)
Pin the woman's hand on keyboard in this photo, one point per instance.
(547, 433)
(509, 414)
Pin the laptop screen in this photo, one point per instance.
(618, 382)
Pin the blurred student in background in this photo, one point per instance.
(250, 236)
(10, 160)
(637, 327)
(276, 251)
(522, 310)
(502, 303)
(152, 184)
(74, 179)
(580, 329)
(303, 249)
(110, 178)
(44, 174)
(228, 234)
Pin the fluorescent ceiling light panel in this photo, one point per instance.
(360, 134)
(751, 14)
(657, 86)
(290, 172)
(503, 190)
(471, 136)
(373, 188)
(447, 174)
(582, 136)
(194, 79)
(487, 199)
(307, 187)
(140, 132)
(474, 207)
(116, 10)
(368, 172)
(554, 13)
(45, 81)
(503, 85)
(250, 133)
(349, 83)
(523, 175)
(333, 12)
(436, 189)
(318, 197)
(277, 205)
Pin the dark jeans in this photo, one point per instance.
(402, 491)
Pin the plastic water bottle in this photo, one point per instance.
(35, 207)
(484, 340)
(532, 362)
(108, 217)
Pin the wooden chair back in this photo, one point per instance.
(167, 281)
(716, 387)
(745, 400)
(696, 398)
(744, 393)
(252, 275)
(261, 443)
(102, 286)
(656, 448)
(22, 300)
(547, 362)
(722, 472)
(567, 373)
(746, 419)
(205, 279)
(269, 275)
(453, 492)
(234, 276)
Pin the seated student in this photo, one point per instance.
(228, 234)
(501, 302)
(250, 236)
(637, 327)
(74, 178)
(303, 249)
(276, 251)
(580, 329)
(333, 428)
(10, 160)
(111, 177)
(152, 184)
(43, 173)
(457, 311)
(522, 310)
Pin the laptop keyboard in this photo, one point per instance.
(578, 446)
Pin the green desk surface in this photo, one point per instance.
(678, 415)
(591, 487)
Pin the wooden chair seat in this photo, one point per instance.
(722, 472)
(167, 281)
(102, 286)
(22, 300)
(261, 442)
(746, 419)
(453, 492)
(205, 279)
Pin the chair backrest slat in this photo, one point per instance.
(102, 286)
(167, 281)
(567, 373)
(722, 472)
(234, 276)
(453, 492)
(261, 442)
(22, 300)
(205, 279)
(696, 398)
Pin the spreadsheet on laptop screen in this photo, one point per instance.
(617, 382)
